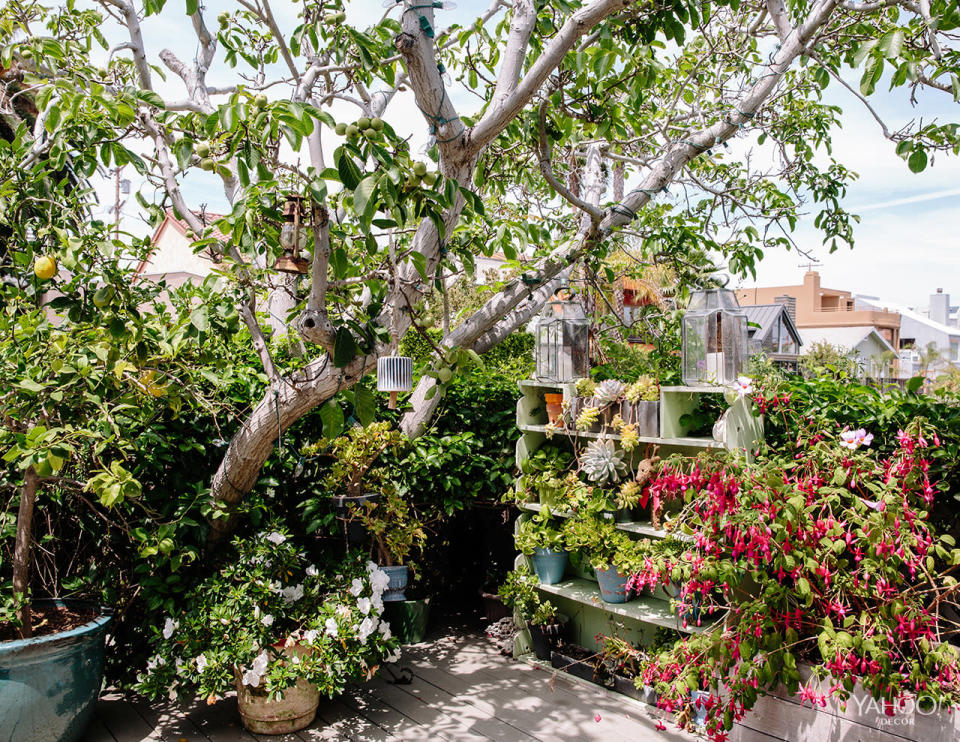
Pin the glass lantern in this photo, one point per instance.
(713, 339)
(562, 351)
(294, 235)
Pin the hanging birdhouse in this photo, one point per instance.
(713, 338)
(394, 375)
(562, 350)
(293, 237)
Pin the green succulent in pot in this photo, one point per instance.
(601, 462)
(539, 532)
(597, 538)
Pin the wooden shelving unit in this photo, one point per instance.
(637, 620)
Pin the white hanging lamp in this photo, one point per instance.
(394, 374)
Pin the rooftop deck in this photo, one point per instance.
(462, 689)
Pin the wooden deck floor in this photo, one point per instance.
(462, 690)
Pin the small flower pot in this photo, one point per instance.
(613, 585)
(399, 576)
(554, 403)
(493, 607)
(544, 639)
(353, 532)
(292, 711)
(625, 686)
(549, 565)
(699, 700)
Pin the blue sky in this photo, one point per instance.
(906, 244)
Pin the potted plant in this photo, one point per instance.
(539, 538)
(275, 628)
(395, 530)
(352, 478)
(641, 407)
(546, 625)
(607, 549)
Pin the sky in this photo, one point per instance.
(907, 243)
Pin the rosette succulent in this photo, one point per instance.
(644, 389)
(608, 391)
(601, 462)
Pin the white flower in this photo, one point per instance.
(260, 663)
(331, 626)
(343, 611)
(743, 386)
(379, 580)
(356, 587)
(267, 620)
(395, 657)
(367, 627)
(169, 626)
(378, 602)
(385, 630)
(364, 605)
(372, 567)
(292, 594)
(251, 678)
(312, 571)
(853, 439)
(276, 538)
(310, 636)
(201, 661)
(156, 661)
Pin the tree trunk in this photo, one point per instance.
(21, 551)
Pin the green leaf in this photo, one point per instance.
(918, 161)
(365, 405)
(348, 170)
(344, 348)
(193, 6)
(332, 417)
(364, 191)
(31, 386)
(871, 75)
(200, 319)
(914, 384)
(891, 43)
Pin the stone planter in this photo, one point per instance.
(573, 660)
(49, 684)
(353, 532)
(543, 639)
(409, 619)
(399, 576)
(294, 710)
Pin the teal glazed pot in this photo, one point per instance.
(613, 585)
(50, 684)
(399, 577)
(549, 565)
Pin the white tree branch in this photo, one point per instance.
(521, 26)
(780, 17)
(546, 167)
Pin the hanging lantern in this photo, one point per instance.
(562, 351)
(394, 374)
(713, 339)
(293, 236)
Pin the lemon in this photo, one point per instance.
(45, 267)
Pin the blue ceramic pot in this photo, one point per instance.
(49, 684)
(399, 576)
(549, 565)
(613, 585)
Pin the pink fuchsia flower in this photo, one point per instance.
(853, 439)
(743, 386)
(596, 718)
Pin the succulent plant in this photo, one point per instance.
(608, 391)
(585, 387)
(601, 462)
(644, 389)
(587, 417)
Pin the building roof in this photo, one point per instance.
(206, 217)
(766, 316)
(912, 314)
(847, 338)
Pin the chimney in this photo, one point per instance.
(790, 302)
(940, 307)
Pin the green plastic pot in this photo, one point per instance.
(408, 619)
(50, 684)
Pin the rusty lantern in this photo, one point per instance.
(293, 236)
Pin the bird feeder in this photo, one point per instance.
(562, 350)
(394, 374)
(293, 236)
(713, 339)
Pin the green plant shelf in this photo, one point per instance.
(646, 610)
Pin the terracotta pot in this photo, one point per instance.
(554, 406)
(293, 711)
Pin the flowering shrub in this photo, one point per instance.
(822, 555)
(237, 623)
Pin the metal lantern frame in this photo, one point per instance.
(713, 341)
(562, 350)
(291, 236)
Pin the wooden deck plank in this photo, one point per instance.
(348, 724)
(122, 719)
(220, 722)
(396, 724)
(97, 732)
(170, 722)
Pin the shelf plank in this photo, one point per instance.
(640, 527)
(643, 609)
(689, 442)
